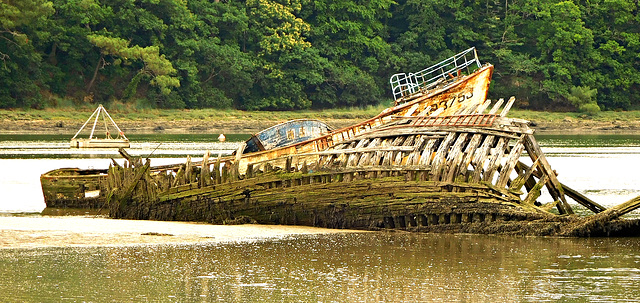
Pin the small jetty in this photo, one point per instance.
(94, 141)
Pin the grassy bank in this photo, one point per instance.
(81, 114)
(128, 114)
(69, 120)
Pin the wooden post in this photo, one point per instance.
(204, 171)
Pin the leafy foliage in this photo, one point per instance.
(584, 99)
(300, 54)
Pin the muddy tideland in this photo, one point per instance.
(65, 231)
(237, 126)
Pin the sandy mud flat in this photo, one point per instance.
(79, 231)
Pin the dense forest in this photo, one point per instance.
(299, 54)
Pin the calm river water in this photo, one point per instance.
(355, 267)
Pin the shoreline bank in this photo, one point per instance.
(30, 232)
(236, 126)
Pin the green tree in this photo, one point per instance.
(352, 37)
(156, 66)
(284, 60)
(583, 98)
(20, 74)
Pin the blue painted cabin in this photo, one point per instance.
(287, 133)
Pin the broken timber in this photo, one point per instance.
(435, 176)
(453, 87)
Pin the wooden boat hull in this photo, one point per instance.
(362, 199)
(74, 188)
(461, 94)
(447, 96)
(392, 177)
(433, 176)
(370, 199)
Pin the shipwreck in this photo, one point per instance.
(443, 159)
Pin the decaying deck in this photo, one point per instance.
(460, 173)
(442, 159)
(455, 86)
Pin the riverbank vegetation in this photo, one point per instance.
(124, 114)
(300, 54)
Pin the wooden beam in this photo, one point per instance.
(495, 159)
(438, 163)
(507, 107)
(479, 158)
(555, 189)
(468, 154)
(572, 193)
(455, 157)
(496, 106)
(512, 160)
(524, 177)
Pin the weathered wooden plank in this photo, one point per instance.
(438, 163)
(534, 193)
(412, 109)
(366, 156)
(479, 158)
(496, 106)
(555, 189)
(388, 155)
(408, 143)
(468, 154)
(483, 106)
(129, 187)
(204, 171)
(414, 156)
(328, 159)
(507, 107)
(524, 177)
(353, 158)
(512, 125)
(495, 159)
(510, 164)
(377, 156)
(454, 158)
(500, 132)
(470, 110)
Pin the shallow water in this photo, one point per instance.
(362, 267)
(371, 267)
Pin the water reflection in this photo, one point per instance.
(367, 267)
